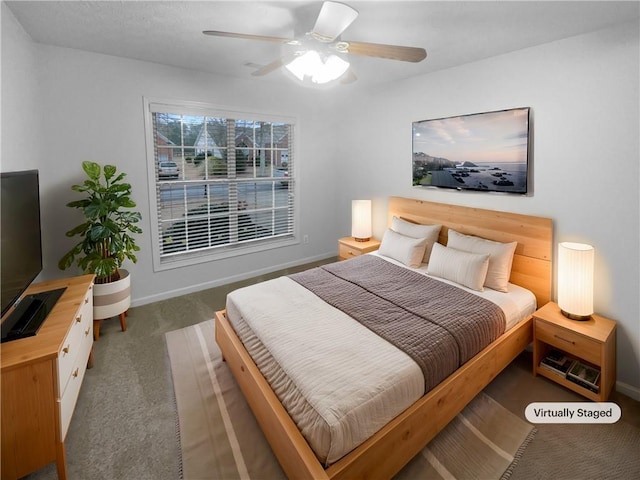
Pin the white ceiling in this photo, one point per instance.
(452, 32)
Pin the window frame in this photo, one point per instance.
(185, 107)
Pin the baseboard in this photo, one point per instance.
(137, 302)
(628, 390)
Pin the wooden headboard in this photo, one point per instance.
(532, 265)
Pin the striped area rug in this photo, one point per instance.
(220, 439)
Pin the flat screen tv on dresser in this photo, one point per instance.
(21, 255)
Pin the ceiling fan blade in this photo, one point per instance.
(270, 67)
(348, 77)
(392, 52)
(246, 36)
(333, 19)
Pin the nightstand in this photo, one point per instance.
(592, 342)
(348, 247)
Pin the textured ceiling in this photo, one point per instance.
(452, 32)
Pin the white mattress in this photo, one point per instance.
(339, 381)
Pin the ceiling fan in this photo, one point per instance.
(319, 53)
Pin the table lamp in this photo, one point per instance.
(575, 280)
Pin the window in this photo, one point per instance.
(222, 181)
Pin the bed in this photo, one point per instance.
(383, 453)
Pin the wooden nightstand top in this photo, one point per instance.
(368, 246)
(597, 327)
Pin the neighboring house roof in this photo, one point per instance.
(206, 142)
(244, 139)
(163, 140)
(164, 154)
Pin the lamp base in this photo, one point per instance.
(573, 316)
(362, 239)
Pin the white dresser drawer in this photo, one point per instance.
(72, 390)
(81, 327)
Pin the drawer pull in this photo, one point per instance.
(79, 318)
(565, 340)
(75, 374)
(66, 349)
(86, 332)
(351, 252)
(86, 300)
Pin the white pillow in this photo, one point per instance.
(407, 250)
(414, 230)
(500, 259)
(468, 269)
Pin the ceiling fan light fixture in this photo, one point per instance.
(333, 68)
(311, 64)
(303, 64)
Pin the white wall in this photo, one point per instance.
(19, 149)
(67, 106)
(583, 92)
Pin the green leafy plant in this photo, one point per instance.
(106, 234)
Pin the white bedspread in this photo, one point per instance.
(341, 381)
(355, 381)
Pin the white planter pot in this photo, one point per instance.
(112, 299)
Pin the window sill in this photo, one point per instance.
(210, 255)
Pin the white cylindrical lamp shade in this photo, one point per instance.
(575, 280)
(361, 220)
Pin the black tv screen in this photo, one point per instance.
(21, 247)
(482, 152)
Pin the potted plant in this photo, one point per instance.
(106, 240)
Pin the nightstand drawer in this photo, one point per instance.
(348, 252)
(349, 247)
(568, 341)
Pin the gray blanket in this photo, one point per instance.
(439, 326)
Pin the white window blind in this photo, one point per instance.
(223, 180)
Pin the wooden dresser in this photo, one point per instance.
(41, 379)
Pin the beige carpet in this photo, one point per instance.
(221, 440)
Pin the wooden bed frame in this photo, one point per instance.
(386, 452)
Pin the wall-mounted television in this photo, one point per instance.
(21, 246)
(482, 152)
